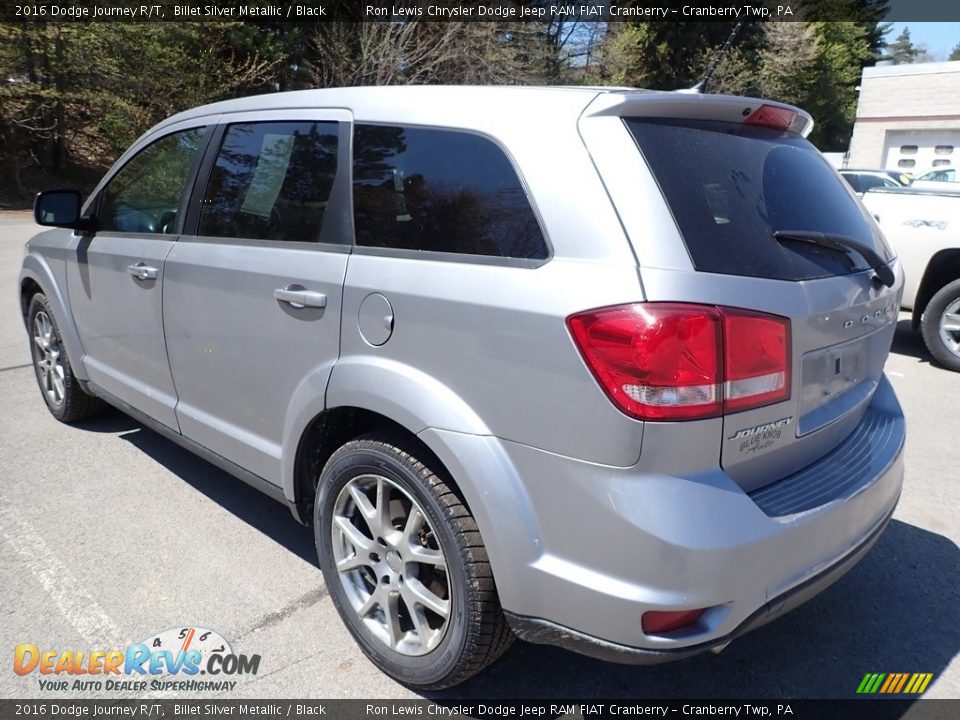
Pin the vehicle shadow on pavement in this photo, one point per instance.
(894, 612)
(910, 343)
(252, 506)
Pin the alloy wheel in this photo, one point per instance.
(391, 565)
(950, 327)
(48, 359)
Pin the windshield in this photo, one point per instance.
(732, 186)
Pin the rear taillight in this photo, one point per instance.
(677, 361)
(756, 359)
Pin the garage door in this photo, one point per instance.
(912, 151)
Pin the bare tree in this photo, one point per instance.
(347, 53)
(415, 52)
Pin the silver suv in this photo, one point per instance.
(602, 369)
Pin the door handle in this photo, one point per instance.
(142, 271)
(299, 297)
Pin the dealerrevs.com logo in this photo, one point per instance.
(171, 660)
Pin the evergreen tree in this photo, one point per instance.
(902, 51)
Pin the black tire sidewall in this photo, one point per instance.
(930, 325)
(434, 666)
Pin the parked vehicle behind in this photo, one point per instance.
(923, 226)
(943, 178)
(863, 180)
(601, 369)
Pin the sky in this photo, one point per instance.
(939, 37)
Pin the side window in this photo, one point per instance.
(144, 196)
(871, 181)
(442, 191)
(271, 181)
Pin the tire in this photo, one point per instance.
(61, 391)
(943, 344)
(426, 649)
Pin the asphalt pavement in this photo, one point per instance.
(110, 533)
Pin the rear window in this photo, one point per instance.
(442, 191)
(732, 186)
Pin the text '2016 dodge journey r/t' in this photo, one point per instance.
(602, 369)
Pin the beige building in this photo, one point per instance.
(908, 117)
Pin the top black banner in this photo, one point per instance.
(470, 10)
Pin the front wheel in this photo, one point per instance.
(61, 391)
(405, 565)
(941, 326)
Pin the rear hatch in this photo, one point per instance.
(769, 226)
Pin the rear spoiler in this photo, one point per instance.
(724, 108)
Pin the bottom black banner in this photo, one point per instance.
(865, 709)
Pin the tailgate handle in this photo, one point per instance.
(299, 297)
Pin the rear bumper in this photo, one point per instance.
(544, 632)
(608, 544)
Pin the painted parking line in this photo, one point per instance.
(78, 606)
(16, 367)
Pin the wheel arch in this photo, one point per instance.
(363, 390)
(369, 393)
(37, 276)
(943, 268)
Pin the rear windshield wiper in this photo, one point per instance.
(840, 243)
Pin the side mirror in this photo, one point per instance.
(60, 208)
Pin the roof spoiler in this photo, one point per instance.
(723, 108)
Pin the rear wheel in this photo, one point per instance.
(61, 391)
(405, 565)
(941, 326)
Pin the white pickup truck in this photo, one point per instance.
(923, 226)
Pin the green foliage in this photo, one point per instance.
(77, 94)
(842, 52)
(669, 55)
(955, 53)
(815, 65)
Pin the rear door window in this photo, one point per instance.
(444, 191)
(271, 181)
(732, 186)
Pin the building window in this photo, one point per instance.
(940, 163)
(943, 150)
(906, 163)
(908, 150)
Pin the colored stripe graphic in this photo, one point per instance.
(894, 683)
